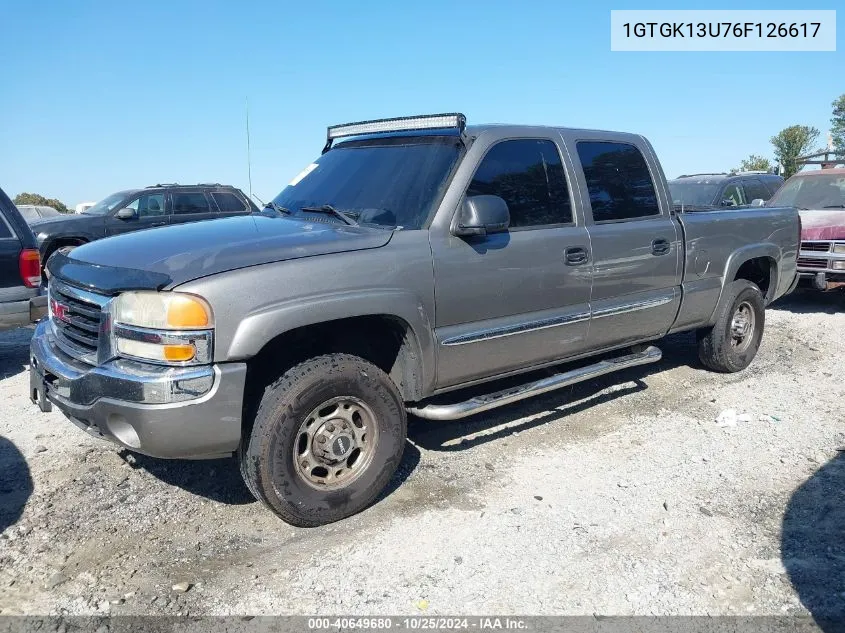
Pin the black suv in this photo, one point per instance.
(136, 209)
(734, 189)
(20, 270)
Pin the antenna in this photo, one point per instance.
(248, 151)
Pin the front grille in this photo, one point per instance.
(812, 262)
(816, 247)
(76, 318)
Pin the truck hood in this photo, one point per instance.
(157, 258)
(825, 224)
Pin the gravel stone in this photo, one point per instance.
(754, 523)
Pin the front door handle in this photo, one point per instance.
(660, 247)
(576, 255)
(157, 223)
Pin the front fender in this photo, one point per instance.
(263, 325)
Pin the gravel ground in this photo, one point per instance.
(620, 496)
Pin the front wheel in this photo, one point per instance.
(732, 343)
(327, 437)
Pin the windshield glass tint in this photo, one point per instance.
(393, 182)
(812, 192)
(105, 205)
(694, 194)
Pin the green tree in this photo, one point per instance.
(791, 143)
(755, 163)
(35, 198)
(837, 124)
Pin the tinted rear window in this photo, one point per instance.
(190, 203)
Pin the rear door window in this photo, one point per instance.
(618, 180)
(190, 202)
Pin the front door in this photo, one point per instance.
(149, 210)
(512, 300)
(636, 243)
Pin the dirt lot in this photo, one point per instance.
(615, 497)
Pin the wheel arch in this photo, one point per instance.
(390, 329)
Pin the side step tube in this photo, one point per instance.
(458, 410)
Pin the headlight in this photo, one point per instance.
(839, 248)
(163, 327)
(162, 310)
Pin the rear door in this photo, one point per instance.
(191, 205)
(149, 211)
(510, 300)
(636, 243)
(228, 204)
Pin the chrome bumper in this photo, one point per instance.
(185, 412)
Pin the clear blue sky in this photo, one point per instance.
(100, 96)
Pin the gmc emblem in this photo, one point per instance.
(59, 310)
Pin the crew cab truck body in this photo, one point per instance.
(411, 260)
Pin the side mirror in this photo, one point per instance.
(482, 215)
(727, 202)
(758, 202)
(125, 214)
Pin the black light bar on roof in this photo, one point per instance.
(399, 124)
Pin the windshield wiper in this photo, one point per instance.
(834, 206)
(327, 208)
(278, 208)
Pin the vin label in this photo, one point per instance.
(725, 30)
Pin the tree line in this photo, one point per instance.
(38, 199)
(799, 140)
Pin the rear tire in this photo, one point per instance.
(732, 343)
(327, 437)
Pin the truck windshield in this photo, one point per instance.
(391, 182)
(825, 191)
(693, 194)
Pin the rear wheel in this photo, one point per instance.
(327, 437)
(732, 343)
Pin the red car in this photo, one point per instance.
(819, 196)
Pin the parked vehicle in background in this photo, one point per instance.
(82, 207)
(735, 189)
(136, 209)
(819, 196)
(33, 212)
(20, 270)
(415, 257)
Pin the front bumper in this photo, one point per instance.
(170, 412)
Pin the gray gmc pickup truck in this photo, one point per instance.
(414, 258)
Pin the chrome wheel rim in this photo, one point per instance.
(335, 443)
(742, 326)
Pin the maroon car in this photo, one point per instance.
(820, 198)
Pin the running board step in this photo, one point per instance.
(457, 410)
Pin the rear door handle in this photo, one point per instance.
(157, 223)
(660, 247)
(576, 256)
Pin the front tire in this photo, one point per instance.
(327, 437)
(732, 343)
